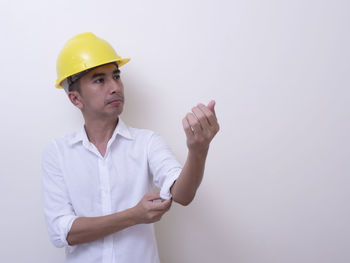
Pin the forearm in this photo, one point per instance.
(87, 229)
(185, 187)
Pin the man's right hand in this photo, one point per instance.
(147, 211)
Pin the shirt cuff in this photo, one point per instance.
(165, 190)
(66, 223)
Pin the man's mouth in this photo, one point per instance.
(115, 101)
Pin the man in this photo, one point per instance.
(97, 183)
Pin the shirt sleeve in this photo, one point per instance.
(163, 165)
(58, 210)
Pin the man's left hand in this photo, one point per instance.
(200, 126)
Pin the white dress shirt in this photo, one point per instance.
(78, 182)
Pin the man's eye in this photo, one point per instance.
(100, 80)
(116, 77)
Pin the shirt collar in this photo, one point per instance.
(122, 129)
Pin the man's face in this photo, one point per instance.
(101, 93)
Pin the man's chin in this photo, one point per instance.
(115, 113)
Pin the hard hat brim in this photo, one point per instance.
(120, 62)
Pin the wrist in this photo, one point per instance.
(134, 216)
(199, 155)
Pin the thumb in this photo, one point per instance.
(211, 106)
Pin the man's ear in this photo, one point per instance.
(75, 98)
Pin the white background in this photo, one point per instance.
(276, 186)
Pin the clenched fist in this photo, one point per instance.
(200, 127)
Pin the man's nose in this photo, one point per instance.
(115, 86)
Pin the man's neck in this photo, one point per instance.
(100, 131)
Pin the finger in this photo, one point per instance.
(171, 202)
(194, 123)
(152, 196)
(211, 106)
(210, 115)
(162, 206)
(187, 128)
(168, 204)
(202, 118)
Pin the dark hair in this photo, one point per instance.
(75, 86)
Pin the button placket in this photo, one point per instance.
(105, 188)
(106, 207)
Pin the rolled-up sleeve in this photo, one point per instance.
(58, 210)
(163, 165)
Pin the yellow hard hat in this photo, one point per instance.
(82, 52)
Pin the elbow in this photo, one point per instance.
(70, 240)
(181, 197)
(57, 242)
(60, 239)
(59, 229)
(184, 201)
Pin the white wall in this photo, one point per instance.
(276, 186)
